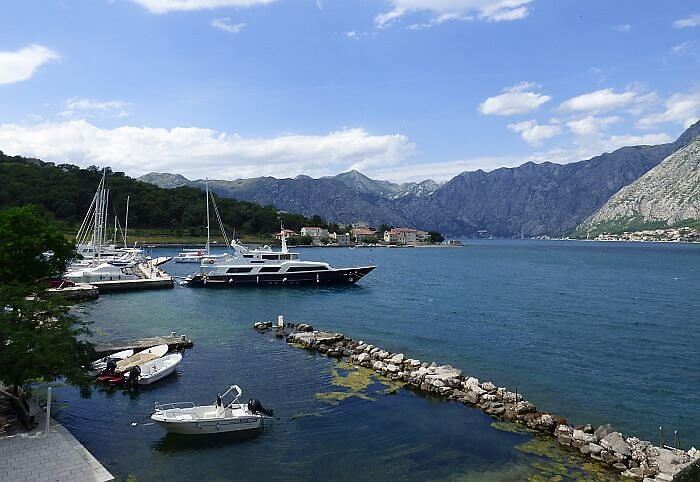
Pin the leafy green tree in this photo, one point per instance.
(39, 336)
(436, 237)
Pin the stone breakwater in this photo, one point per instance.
(631, 457)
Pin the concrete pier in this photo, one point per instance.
(56, 456)
(174, 342)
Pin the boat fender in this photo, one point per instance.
(211, 261)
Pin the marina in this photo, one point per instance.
(500, 337)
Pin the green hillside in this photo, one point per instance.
(66, 191)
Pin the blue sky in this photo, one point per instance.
(399, 89)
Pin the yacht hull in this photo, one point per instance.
(339, 276)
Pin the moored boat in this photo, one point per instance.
(221, 417)
(154, 370)
(98, 366)
(264, 267)
(140, 358)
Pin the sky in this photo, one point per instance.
(403, 90)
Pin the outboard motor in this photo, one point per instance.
(256, 407)
(111, 366)
(134, 375)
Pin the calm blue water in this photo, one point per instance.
(596, 332)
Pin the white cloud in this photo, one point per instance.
(624, 28)
(681, 48)
(443, 171)
(534, 133)
(77, 106)
(22, 64)
(598, 101)
(615, 142)
(224, 23)
(692, 21)
(165, 6)
(682, 108)
(445, 10)
(197, 152)
(591, 126)
(514, 100)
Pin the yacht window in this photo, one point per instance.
(269, 269)
(306, 268)
(247, 255)
(257, 261)
(270, 256)
(239, 270)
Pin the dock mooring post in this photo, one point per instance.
(661, 437)
(48, 411)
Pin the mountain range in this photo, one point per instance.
(669, 194)
(528, 200)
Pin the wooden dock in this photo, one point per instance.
(174, 342)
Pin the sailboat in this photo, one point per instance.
(197, 255)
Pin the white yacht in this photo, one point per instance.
(263, 267)
(101, 272)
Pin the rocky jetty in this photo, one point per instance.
(632, 457)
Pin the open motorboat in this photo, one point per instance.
(115, 372)
(98, 366)
(188, 418)
(154, 370)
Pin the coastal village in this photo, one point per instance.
(362, 234)
(671, 235)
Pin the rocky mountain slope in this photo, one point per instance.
(669, 194)
(529, 200)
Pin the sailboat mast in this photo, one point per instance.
(206, 185)
(126, 221)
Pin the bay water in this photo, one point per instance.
(595, 332)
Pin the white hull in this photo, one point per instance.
(159, 368)
(212, 426)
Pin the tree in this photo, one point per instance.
(39, 336)
(436, 237)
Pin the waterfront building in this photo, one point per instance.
(285, 233)
(363, 234)
(314, 232)
(401, 236)
(342, 239)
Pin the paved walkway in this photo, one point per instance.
(57, 456)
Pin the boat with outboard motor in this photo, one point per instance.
(264, 267)
(153, 370)
(98, 366)
(221, 417)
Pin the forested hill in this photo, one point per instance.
(66, 192)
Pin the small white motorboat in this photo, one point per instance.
(141, 357)
(154, 370)
(98, 366)
(188, 418)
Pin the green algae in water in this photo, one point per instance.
(354, 381)
(558, 463)
(511, 427)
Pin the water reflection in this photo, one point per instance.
(173, 443)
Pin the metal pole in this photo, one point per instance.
(48, 411)
(661, 437)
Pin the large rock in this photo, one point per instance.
(396, 359)
(615, 443)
